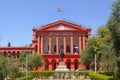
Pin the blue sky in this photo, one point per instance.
(18, 17)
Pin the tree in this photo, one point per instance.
(114, 27)
(9, 44)
(13, 69)
(34, 60)
(97, 43)
(3, 67)
(108, 58)
(87, 55)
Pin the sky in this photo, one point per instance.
(19, 17)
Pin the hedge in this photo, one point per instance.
(107, 73)
(24, 78)
(41, 74)
(47, 74)
(96, 76)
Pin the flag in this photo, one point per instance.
(59, 9)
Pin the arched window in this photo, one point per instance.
(76, 64)
(86, 36)
(36, 48)
(18, 54)
(13, 55)
(46, 44)
(68, 64)
(4, 53)
(54, 65)
(68, 48)
(75, 44)
(46, 65)
(9, 54)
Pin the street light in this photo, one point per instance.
(8, 64)
(22, 64)
(95, 60)
(26, 66)
(8, 59)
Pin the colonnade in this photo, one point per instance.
(57, 42)
(11, 54)
(51, 65)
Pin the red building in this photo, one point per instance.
(50, 38)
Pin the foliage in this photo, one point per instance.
(117, 74)
(107, 73)
(101, 45)
(41, 74)
(114, 27)
(34, 60)
(48, 74)
(9, 44)
(8, 69)
(95, 76)
(108, 58)
(87, 55)
(24, 78)
(13, 70)
(3, 66)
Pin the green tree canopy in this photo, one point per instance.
(96, 45)
(34, 60)
(3, 66)
(114, 26)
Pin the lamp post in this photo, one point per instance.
(22, 64)
(26, 66)
(95, 60)
(8, 63)
(8, 59)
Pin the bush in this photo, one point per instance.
(107, 73)
(24, 78)
(117, 73)
(2, 75)
(78, 73)
(41, 74)
(95, 76)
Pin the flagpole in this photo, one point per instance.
(60, 12)
(61, 15)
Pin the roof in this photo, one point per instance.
(61, 25)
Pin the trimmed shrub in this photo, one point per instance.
(41, 74)
(78, 73)
(53, 74)
(117, 74)
(96, 76)
(107, 73)
(24, 78)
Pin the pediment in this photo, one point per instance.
(61, 25)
